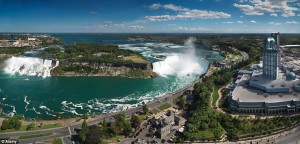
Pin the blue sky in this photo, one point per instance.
(150, 16)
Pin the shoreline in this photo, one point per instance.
(40, 119)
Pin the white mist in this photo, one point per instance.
(29, 66)
(180, 64)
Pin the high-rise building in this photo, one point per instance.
(271, 56)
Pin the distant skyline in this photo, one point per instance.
(150, 16)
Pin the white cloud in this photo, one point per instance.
(175, 8)
(187, 14)
(291, 22)
(273, 14)
(155, 6)
(137, 27)
(274, 23)
(229, 22)
(193, 29)
(93, 12)
(253, 21)
(109, 26)
(260, 7)
(240, 22)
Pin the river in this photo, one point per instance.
(34, 96)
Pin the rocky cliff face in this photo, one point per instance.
(104, 70)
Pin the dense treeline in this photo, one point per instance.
(13, 50)
(11, 123)
(204, 122)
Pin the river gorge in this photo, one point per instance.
(27, 88)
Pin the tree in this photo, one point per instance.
(127, 128)
(150, 132)
(135, 122)
(182, 102)
(15, 123)
(104, 129)
(85, 116)
(145, 109)
(41, 124)
(93, 136)
(30, 126)
(4, 125)
(122, 124)
(113, 129)
(83, 131)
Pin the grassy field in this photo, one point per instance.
(47, 126)
(115, 139)
(175, 100)
(215, 96)
(23, 127)
(34, 136)
(143, 116)
(57, 141)
(164, 106)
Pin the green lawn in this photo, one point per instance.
(34, 136)
(143, 116)
(57, 141)
(175, 100)
(116, 138)
(164, 106)
(23, 127)
(47, 126)
(154, 111)
(215, 96)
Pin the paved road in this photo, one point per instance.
(291, 138)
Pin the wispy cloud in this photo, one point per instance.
(273, 14)
(137, 27)
(253, 21)
(109, 26)
(229, 22)
(260, 7)
(185, 14)
(155, 6)
(240, 22)
(94, 12)
(274, 23)
(193, 29)
(291, 22)
(175, 8)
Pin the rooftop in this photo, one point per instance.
(245, 93)
(258, 79)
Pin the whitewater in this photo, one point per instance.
(180, 64)
(29, 66)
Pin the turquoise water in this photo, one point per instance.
(38, 97)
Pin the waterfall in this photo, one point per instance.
(29, 66)
(177, 65)
(180, 64)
